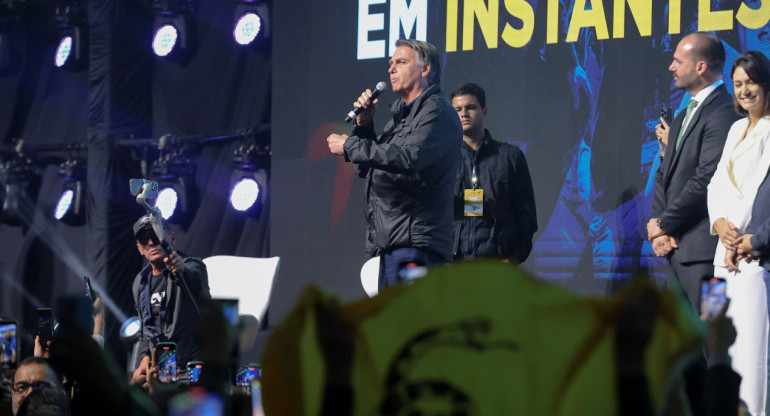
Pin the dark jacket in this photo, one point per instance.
(410, 175)
(509, 219)
(760, 223)
(180, 320)
(680, 185)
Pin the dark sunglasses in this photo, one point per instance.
(145, 236)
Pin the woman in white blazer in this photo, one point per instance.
(742, 168)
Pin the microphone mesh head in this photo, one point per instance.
(381, 86)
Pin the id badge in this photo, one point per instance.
(474, 202)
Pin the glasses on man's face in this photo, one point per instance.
(23, 388)
(144, 238)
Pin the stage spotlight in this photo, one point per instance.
(247, 28)
(19, 184)
(244, 194)
(247, 194)
(13, 196)
(250, 22)
(63, 51)
(177, 196)
(71, 51)
(249, 180)
(70, 208)
(129, 331)
(167, 200)
(172, 28)
(164, 41)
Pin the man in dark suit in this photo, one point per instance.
(679, 228)
(755, 243)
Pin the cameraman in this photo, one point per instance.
(165, 308)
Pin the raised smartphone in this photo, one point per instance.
(9, 343)
(667, 114)
(713, 292)
(44, 325)
(194, 370)
(246, 374)
(165, 353)
(89, 288)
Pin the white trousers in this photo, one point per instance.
(748, 309)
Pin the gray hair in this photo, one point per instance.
(427, 54)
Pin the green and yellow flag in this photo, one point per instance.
(476, 338)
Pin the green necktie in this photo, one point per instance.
(687, 114)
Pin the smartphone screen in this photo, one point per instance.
(247, 374)
(712, 297)
(9, 343)
(44, 326)
(194, 370)
(166, 356)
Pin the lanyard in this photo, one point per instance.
(474, 176)
(474, 171)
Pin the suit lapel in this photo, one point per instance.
(695, 118)
(673, 154)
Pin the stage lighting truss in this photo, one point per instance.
(248, 191)
(250, 22)
(19, 185)
(177, 194)
(172, 28)
(70, 207)
(72, 42)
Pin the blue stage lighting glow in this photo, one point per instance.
(247, 28)
(166, 202)
(130, 328)
(65, 200)
(164, 40)
(63, 51)
(245, 192)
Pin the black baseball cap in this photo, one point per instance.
(143, 223)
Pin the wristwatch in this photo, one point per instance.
(658, 224)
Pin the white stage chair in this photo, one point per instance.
(248, 279)
(370, 274)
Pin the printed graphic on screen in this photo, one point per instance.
(576, 85)
(167, 364)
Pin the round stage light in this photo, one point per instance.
(129, 331)
(63, 51)
(166, 202)
(247, 28)
(164, 40)
(65, 201)
(244, 194)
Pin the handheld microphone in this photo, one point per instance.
(375, 93)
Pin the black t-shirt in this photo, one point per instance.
(158, 297)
